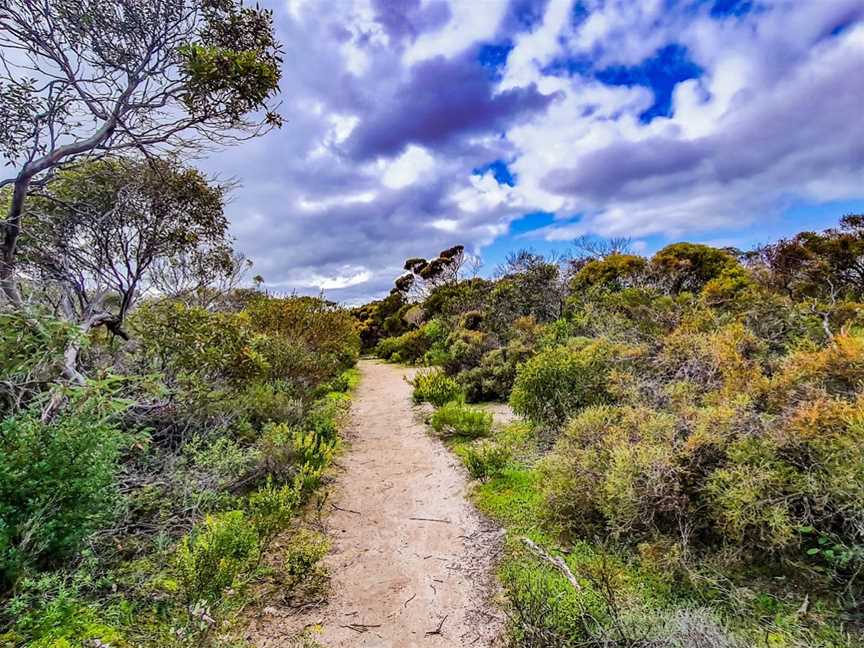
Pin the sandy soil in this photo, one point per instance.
(412, 561)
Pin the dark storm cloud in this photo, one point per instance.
(441, 101)
(407, 19)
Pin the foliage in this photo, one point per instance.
(57, 481)
(216, 554)
(271, 508)
(435, 387)
(689, 266)
(825, 265)
(615, 271)
(486, 459)
(305, 549)
(126, 217)
(199, 68)
(412, 346)
(557, 382)
(455, 419)
(31, 350)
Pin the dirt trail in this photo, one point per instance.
(399, 580)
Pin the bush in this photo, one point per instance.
(486, 459)
(57, 482)
(304, 551)
(414, 346)
(30, 356)
(456, 419)
(557, 382)
(435, 387)
(52, 611)
(287, 452)
(215, 555)
(741, 483)
(261, 403)
(271, 509)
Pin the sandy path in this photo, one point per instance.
(396, 577)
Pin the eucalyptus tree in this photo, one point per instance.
(88, 78)
(104, 231)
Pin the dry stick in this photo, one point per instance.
(556, 561)
(413, 596)
(425, 519)
(361, 627)
(338, 508)
(437, 631)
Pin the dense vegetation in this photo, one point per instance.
(692, 451)
(137, 510)
(159, 426)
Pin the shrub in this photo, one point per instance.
(287, 452)
(184, 342)
(689, 266)
(57, 481)
(465, 349)
(741, 482)
(408, 347)
(435, 387)
(52, 611)
(486, 459)
(30, 355)
(304, 551)
(323, 328)
(260, 403)
(215, 555)
(494, 378)
(557, 382)
(456, 419)
(271, 509)
(615, 272)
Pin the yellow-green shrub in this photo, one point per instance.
(486, 458)
(215, 555)
(734, 478)
(435, 387)
(558, 382)
(456, 419)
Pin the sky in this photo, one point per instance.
(414, 125)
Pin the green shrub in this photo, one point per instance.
(30, 356)
(259, 403)
(435, 387)
(271, 509)
(456, 419)
(286, 452)
(215, 555)
(52, 611)
(558, 382)
(303, 552)
(743, 484)
(486, 459)
(57, 481)
(412, 347)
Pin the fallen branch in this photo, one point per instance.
(361, 627)
(425, 519)
(346, 510)
(556, 561)
(437, 631)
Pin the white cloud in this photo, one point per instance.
(471, 21)
(409, 167)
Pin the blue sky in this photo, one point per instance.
(413, 125)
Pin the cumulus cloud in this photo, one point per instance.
(637, 118)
